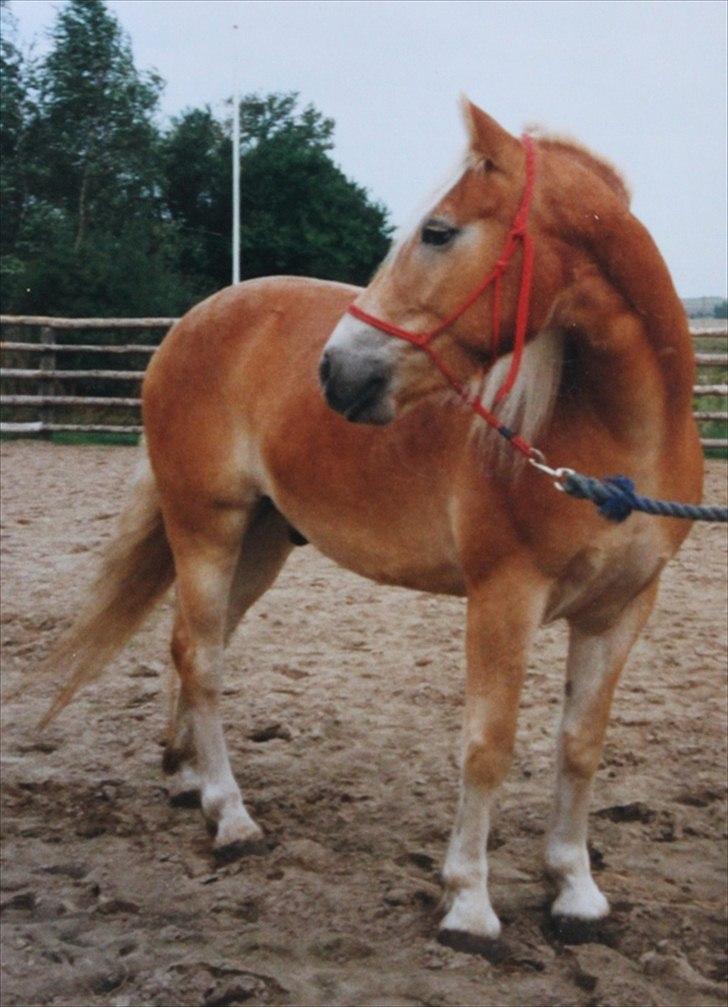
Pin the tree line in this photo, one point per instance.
(108, 212)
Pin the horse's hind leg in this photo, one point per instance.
(223, 564)
(178, 758)
(265, 546)
(594, 664)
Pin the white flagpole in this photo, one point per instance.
(236, 162)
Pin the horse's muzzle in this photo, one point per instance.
(357, 386)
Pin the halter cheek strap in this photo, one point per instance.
(517, 236)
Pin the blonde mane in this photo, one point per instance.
(528, 409)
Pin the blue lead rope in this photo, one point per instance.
(615, 499)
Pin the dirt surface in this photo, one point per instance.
(353, 692)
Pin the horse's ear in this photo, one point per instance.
(487, 137)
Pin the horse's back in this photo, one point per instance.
(221, 366)
(228, 328)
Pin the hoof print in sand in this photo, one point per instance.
(185, 799)
(473, 944)
(572, 930)
(241, 848)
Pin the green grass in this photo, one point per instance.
(74, 437)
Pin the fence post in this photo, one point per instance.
(47, 384)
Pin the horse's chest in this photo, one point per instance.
(600, 579)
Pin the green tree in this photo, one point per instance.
(271, 116)
(106, 213)
(721, 310)
(196, 192)
(300, 214)
(95, 120)
(93, 235)
(14, 107)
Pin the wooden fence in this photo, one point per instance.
(105, 399)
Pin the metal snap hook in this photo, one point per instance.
(538, 460)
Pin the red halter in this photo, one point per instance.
(518, 233)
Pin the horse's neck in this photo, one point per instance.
(631, 265)
(631, 360)
(615, 354)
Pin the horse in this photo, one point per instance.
(286, 409)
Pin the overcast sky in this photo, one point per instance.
(640, 81)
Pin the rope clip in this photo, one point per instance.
(538, 460)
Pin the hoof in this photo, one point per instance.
(572, 930)
(473, 944)
(227, 854)
(185, 799)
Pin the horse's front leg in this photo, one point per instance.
(504, 613)
(596, 658)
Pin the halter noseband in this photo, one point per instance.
(518, 234)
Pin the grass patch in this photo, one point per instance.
(76, 437)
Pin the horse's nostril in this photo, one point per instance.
(325, 368)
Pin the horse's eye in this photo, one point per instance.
(488, 165)
(437, 232)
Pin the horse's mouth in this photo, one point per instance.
(357, 388)
(372, 405)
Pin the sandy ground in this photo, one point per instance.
(110, 894)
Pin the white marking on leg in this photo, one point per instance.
(567, 856)
(220, 796)
(594, 663)
(466, 867)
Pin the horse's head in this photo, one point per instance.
(367, 375)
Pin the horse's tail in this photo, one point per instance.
(136, 570)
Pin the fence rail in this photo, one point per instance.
(42, 321)
(47, 402)
(77, 348)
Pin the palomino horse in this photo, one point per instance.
(245, 457)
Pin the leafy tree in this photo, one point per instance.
(195, 187)
(12, 93)
(91, 217)
(267, 117)
(721, 310)
(106, 213)
(300, 214)
(95, 119)
(13, 115)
